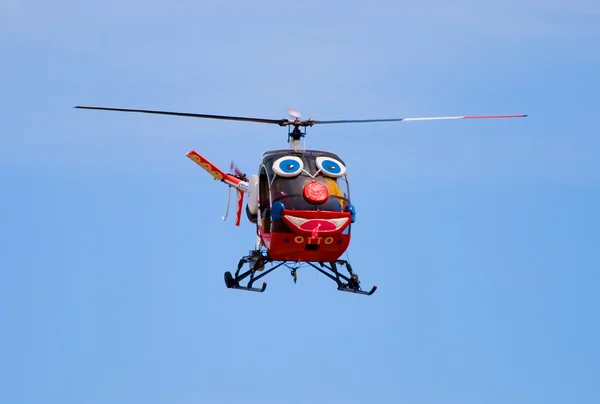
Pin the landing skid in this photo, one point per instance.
(345, 284)
(257, 261)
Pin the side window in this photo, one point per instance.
(263, 186)
(265, 201)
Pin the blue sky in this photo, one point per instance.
(481, 235)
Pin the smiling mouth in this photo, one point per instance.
(333, 225)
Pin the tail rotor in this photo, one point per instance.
(236, 172)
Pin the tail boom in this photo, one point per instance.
(241, 186)
(217, 173)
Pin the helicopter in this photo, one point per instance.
(299, 202)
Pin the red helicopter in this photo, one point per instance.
(299, 201)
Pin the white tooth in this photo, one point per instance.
(339, 222)
(298, 221)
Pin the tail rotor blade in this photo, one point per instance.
(234, 169)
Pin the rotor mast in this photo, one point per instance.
(295, 134)
(296, 138)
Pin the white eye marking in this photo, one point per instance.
(288, 166)
(331, 167)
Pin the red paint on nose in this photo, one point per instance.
(324, 225)
(315, 192)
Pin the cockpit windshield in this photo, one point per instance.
(289, 192)
(289, 173)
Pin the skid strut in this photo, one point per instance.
(257, 262)
(345, 284)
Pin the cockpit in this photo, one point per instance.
(307, 180)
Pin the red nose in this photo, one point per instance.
(315, 192)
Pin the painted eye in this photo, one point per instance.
(288, 166)
(331, 167)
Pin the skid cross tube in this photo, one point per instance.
(336, 278)
(268, 271)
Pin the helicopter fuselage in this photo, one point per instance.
(302, 210)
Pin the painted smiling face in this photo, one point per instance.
(309, 182)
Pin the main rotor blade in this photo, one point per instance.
(433, 118)
(226, 117)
